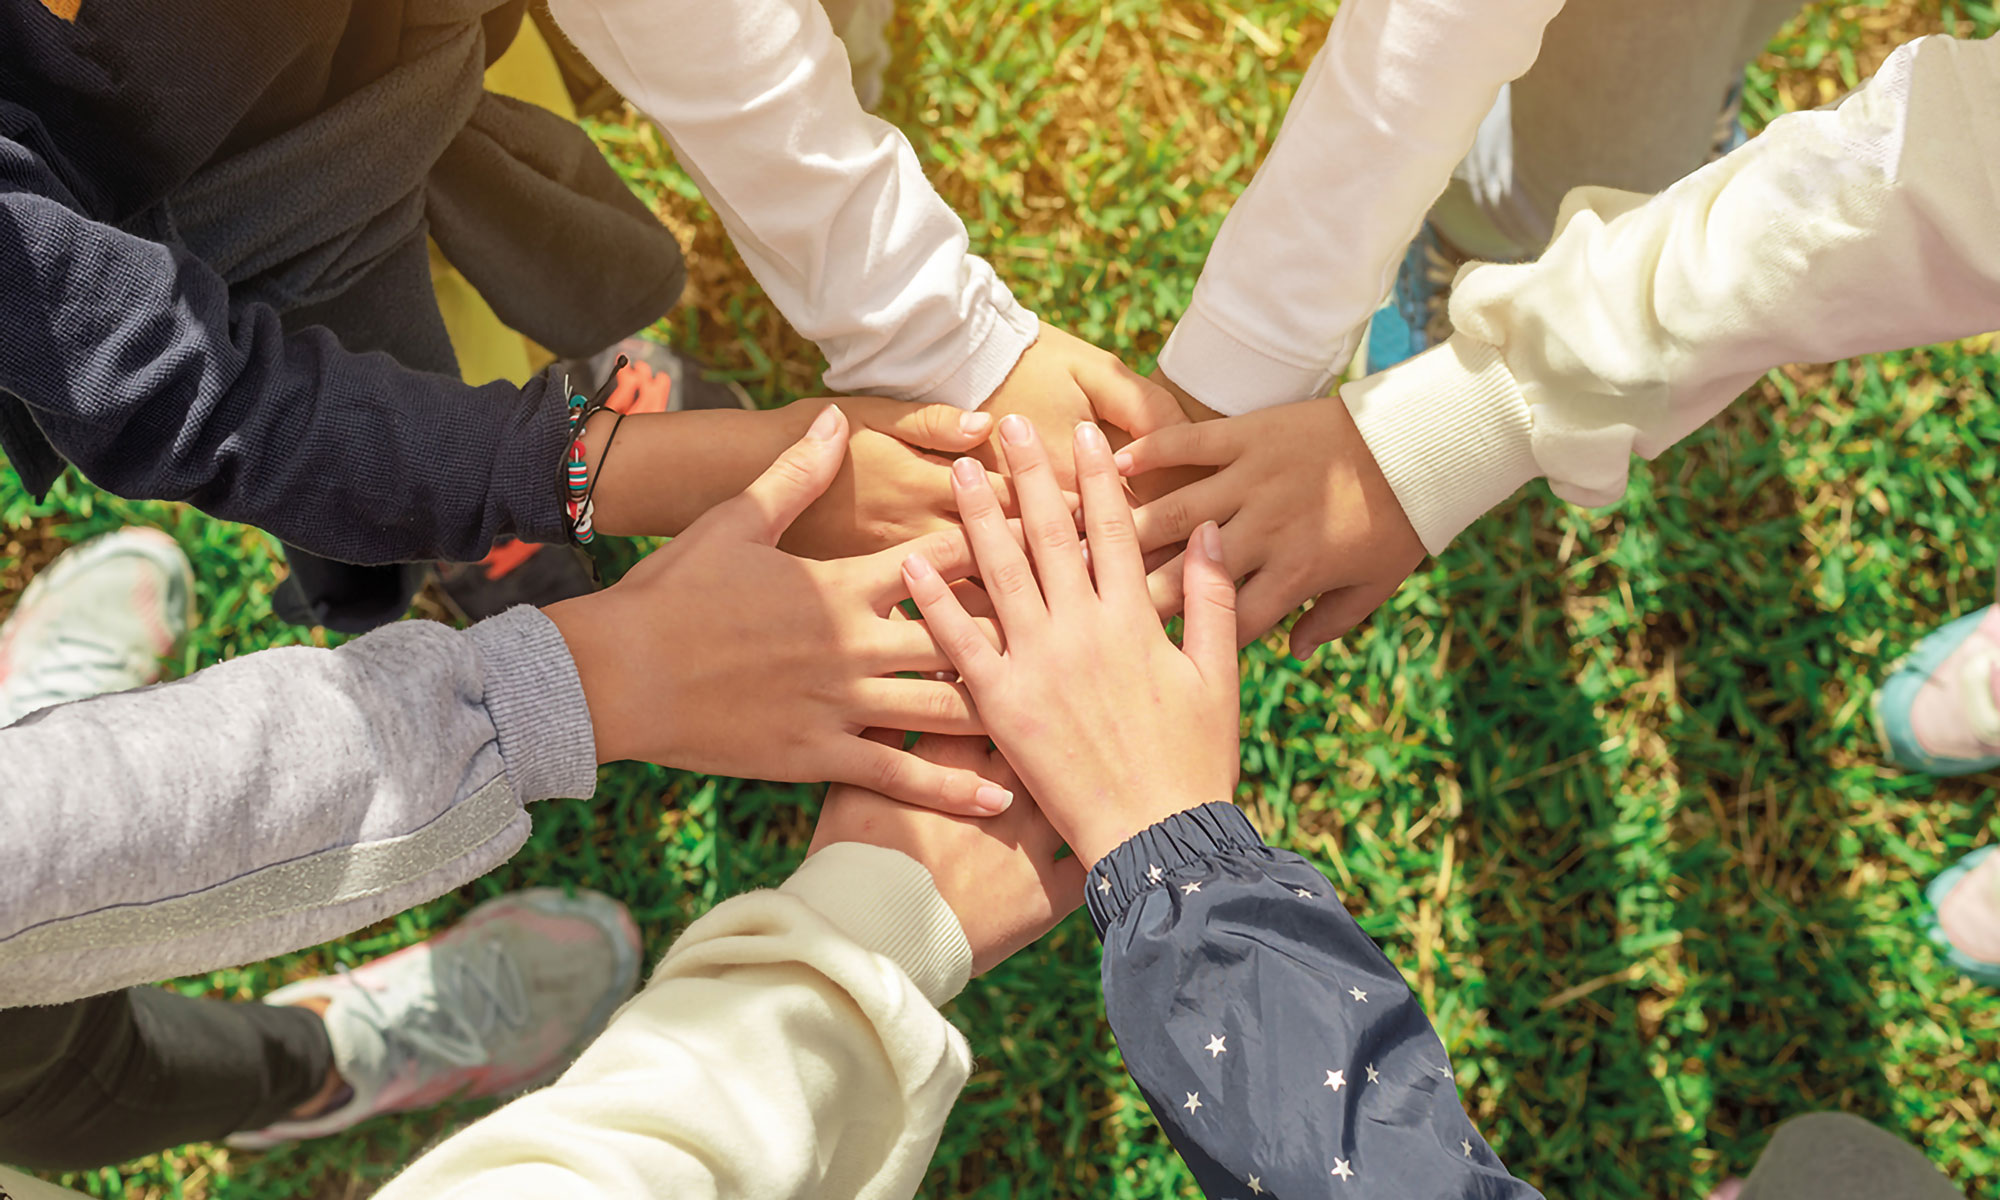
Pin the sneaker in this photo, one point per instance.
(98, 620)
(1965, 914)
(515, 573)
(1939, 710)
(499, 1004)
(691, 388)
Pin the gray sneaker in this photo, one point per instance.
(500, 1003)
(98, 620)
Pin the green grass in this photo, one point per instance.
(1601, 783)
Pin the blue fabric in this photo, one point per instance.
(1270, 1035)
(128, 357)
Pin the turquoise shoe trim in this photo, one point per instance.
(1898, 695)
(1973, 968)
(1396, 332)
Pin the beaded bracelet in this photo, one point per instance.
(579, 483)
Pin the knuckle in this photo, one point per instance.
(1010, 577)
(888, 773)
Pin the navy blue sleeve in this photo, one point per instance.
(1281, 1051)
(135, 366)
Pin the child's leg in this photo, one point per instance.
(107, 1079)
(1623, 95)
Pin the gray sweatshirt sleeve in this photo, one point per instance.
(276, 801)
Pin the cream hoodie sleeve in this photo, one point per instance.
(789, 1045)
(1867, 227)
(827, 204)
(1389, 107)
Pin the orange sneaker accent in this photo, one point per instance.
(506, 556)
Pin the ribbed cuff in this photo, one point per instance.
(887, 902)
(1232, 377)
(536, 701)
(1155, 856)
(1009, 333)
(1452, 433)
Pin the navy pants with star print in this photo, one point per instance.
(1282, 1052)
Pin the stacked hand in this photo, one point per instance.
(724, 654)
(1000, 875)
(1110, 725)
(1304, 510)
(664, 471)
(1062, 381)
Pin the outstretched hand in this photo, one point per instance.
(1000, 875)
(723, 654)
(1304, 512)
(1111, 726)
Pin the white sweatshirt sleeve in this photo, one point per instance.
(789, 1045)
(827, 204)
(1853, 230)
(1389, 107)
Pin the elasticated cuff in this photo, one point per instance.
(536, 700)
(1155, 856)
(1233, 377)
(1452, 433)
(887, 903)
(1007, 336)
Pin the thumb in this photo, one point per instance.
(787, 487)
(1128, 400)
(938, 427)
(1208, 632)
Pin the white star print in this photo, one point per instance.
(1155, 874)
(1193, 1101)
(1336, 1080)
(1256, 1186)
(1104, 883)
(1302, 892)
(1446, 1072)
(1189, 889)
(1359, 995)
(1215, 1046)
(1374, 1076)
(1341, 1170)
(1467, 1147)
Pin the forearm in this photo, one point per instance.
(1389, 106)
(828, 205)
(664, 470)
(789, 1045)
(276, 801)
(1837, 232)
(1268, 1033)
(138, 369)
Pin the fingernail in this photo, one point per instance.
(916, 566)
(1124, 462)
(968, 472)
(993, 799)
(1210, 537)
(1089, 436)
(1014, 428)
(825, 423)
(975, 424)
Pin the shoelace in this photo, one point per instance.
(447, 1023)
(98, 667)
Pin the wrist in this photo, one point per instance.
(588, 626)
(1194, 409)
(666, 469)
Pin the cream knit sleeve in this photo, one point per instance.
(789, 1045)
(1853, 230)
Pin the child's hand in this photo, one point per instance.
(1112, 726)
(666, 470)
(889, 491)
(999, 874)
(723, 654)
(1304, 511)
(1062, 380)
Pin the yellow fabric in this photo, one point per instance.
(486, 348)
